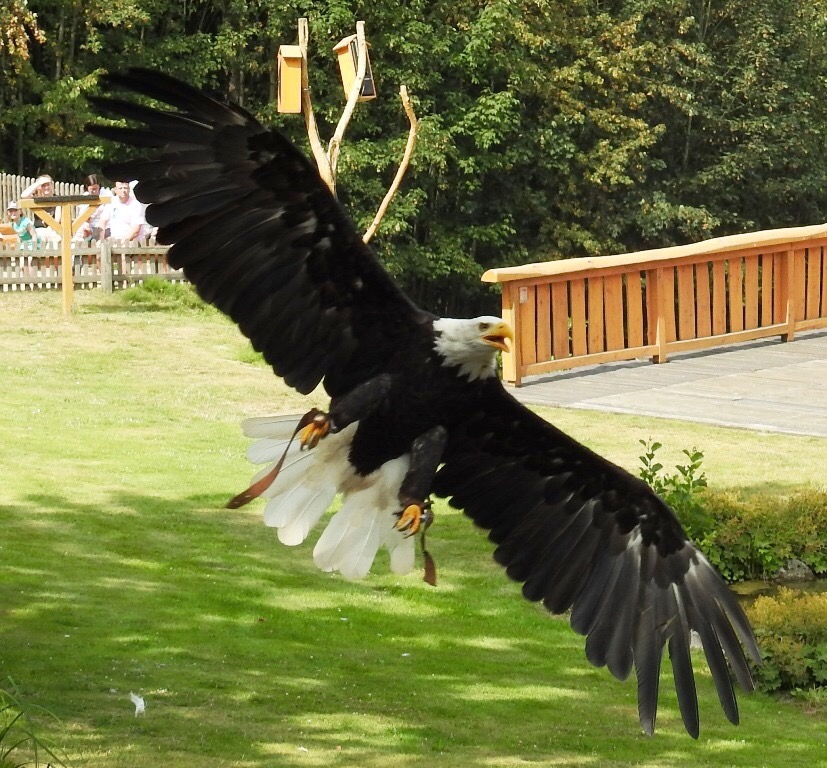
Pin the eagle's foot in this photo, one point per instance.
(415, 516)
(315, 430)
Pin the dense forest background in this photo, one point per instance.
(549, 129)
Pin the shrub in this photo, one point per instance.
(792, 634)
(753, 538)
(744, 538)
(155, 293)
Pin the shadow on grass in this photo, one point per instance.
(245, 652)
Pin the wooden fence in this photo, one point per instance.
(652, 303)
(108, 264)
(11, 186)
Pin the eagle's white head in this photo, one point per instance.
(472, 344)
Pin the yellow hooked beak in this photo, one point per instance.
(497, 334)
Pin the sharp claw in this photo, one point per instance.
(310, 435)
(415, 517)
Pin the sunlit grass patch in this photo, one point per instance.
(121, 570)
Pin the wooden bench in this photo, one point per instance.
(7, 234)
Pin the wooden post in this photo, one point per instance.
(787, 288)
(107, 282)
(67, 228)
(657, 298)
(512, 361)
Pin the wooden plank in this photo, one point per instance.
(544, 321)
(656, 314)
(703, 309)
(779, 288)
(824, 284)
(812, 308)
(668, 303)
(599, 357)
(634, 310)
(798, 285)
(613, 312)
(527, 309)
(767, 270)
(719, 302)
(728, 338)
(751, 297)
(686, 301)
(512, 363)
(560, 320)
(736, 295)
(810, 325)
(595, 321)
(577, 297)
(742, 244)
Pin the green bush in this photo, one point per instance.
(155, 293)
(744, 538)
(792, 634)
(752, 538)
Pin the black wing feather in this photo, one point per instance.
(259, 234)
(583, 534)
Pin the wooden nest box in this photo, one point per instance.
(347, 51)
(290, 79)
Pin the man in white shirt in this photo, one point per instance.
(126, 214)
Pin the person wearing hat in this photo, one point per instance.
(44, 186)
(22, 225)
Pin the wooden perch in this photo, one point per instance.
(319, 154)
(335, 145)
(328, 162)
(403, 166)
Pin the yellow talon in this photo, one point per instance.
(310, 436)
(410, 519)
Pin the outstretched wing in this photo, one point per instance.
(582, 533)
(259, 234)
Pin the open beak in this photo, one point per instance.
(497, 336)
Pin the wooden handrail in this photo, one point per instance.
(582, 311)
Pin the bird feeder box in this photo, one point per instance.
(290, 79)
(347, 52)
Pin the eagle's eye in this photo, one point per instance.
(484, 326)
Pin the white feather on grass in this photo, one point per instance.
(138, 701)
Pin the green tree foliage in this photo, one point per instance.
(549, 129)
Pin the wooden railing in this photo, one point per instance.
(107, 264)
(652, 303)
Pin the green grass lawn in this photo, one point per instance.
(121, 571)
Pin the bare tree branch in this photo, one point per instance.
(336, 142)
(322, 161)
(403, 166)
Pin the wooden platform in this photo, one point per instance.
(764, 385)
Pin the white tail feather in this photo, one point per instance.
(265, 450)
(296, 513)
(306, 486)
(354, 534)
(289, 475)
(351, 540)
(402, 549)
(274, 427)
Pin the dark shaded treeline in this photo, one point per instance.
(549, 129)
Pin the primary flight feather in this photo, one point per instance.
(416, 407)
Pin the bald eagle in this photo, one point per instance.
(416, 406)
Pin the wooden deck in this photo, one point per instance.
(764, 385)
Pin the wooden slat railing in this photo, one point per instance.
(652, 303)
(108, 264)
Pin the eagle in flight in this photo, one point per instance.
(416, 406)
